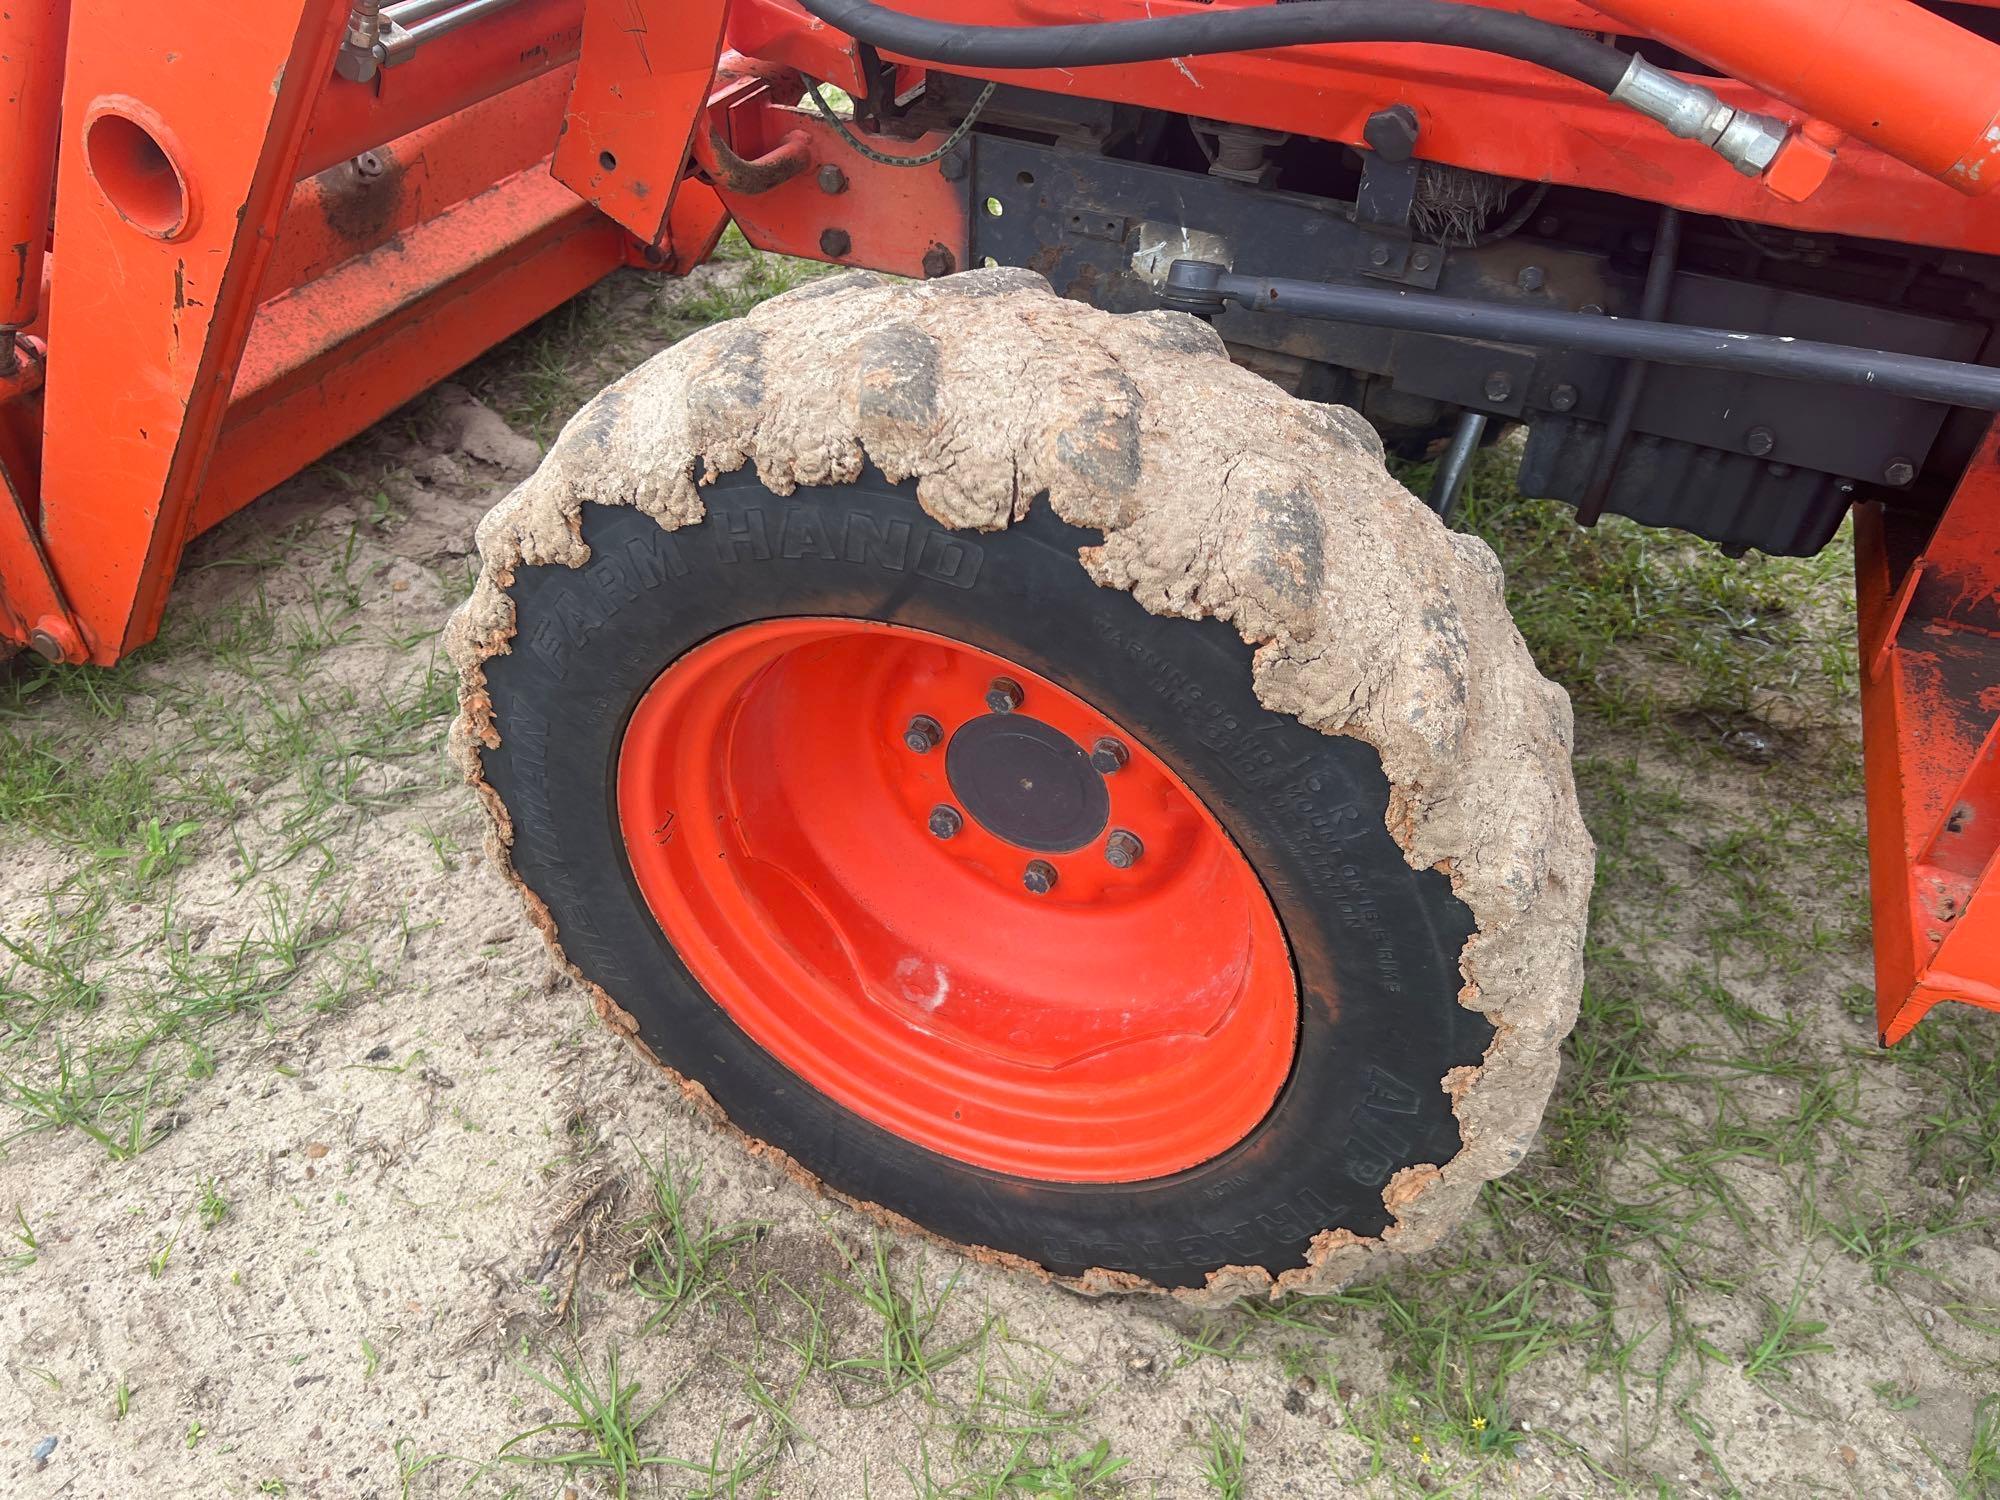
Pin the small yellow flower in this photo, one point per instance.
(1479, 1424)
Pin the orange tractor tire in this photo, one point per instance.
(1044, 781)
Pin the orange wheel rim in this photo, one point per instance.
(924, 908)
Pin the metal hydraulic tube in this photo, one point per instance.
(1902, 79)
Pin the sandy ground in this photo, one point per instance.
(318, 1179)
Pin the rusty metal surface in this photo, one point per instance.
(1930, 696)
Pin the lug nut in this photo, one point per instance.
(1108, 755)
(946, 821)
(1122, 849)
(1039, 877)
(1003, 695)
(923, 734)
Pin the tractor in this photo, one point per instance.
(987, 723)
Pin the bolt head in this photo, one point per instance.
(832, 179)
(951, 166)
(834, 243)
(44, 645)
(1531, 279)
(1499, 386)
(938, 261)
(1379, 256)
(355, 64)
(370, 164)
(946, 821)
(1122, 849)
(1039, 877)
(1108, 756)
(1900, 471)
(1003, 695)
(1392, 132)
(1563, 398)
(923, 734)
(1420, 261)
(1759, 441)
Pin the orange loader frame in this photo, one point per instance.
(238, 235)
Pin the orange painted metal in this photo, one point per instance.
(1930, 696)
(330, 357)
(1899, 78)
(359, 204)
(647, 70)
(912, 222)
(1486, 113)
(32, 34)
(1125, 1024)
(442, 77)
(147, 334)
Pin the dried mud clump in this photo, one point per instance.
(1217, 495)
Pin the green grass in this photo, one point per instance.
(684, 1256)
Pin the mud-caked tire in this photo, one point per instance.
(880, 548)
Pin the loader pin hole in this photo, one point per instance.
(137, 175)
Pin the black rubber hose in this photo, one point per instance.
(978, 48)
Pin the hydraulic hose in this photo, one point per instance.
(1749, 142)
(1094, 44)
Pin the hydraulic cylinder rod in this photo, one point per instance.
(1904, 80)
(32, 37)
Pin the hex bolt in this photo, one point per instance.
(1392, 132)
(1108, 756)
(923, 734)
(1499, 386)
(834, 242)
(1900, 471)
(951, 166)
(832, 179)
(1379, 256)
(1563, 397)
(946, 820)
(1759, 441)
(1420, 261)
(1531, 279)
(1039, 877)
(1592, 309)
(938, 261)
(1122, 849)
(1003, 695)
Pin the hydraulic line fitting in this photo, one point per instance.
(1748, 142)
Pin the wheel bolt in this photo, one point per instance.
(923, 734)
(945, 821)
(1122, 849)
(1108, 755)
(1039, 877)
(1003, 695)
